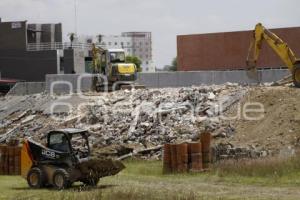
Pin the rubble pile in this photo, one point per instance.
(154, 117)
(224, 151)
(138, 119)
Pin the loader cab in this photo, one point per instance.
(72, 141)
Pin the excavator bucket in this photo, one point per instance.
(251, 70)
(252, 74)
(296, 74)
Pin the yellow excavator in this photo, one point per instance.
(111, 64)
(279, 46)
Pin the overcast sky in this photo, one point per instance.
(164, 18)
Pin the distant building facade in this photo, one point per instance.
(30, 51)
(17, 62)
(229, 50)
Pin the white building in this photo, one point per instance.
(135, 44)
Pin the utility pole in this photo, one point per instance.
(75, 16)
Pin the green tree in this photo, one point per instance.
(135, 60)
(173, 66)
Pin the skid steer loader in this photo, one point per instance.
(64, 160)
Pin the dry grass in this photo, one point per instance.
(265, 167)
(249, 179)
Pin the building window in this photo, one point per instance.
(122, 43)
(147, 62)
(128, 43)
(116, 43)
(109, 43)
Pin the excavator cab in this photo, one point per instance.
(112, 64)
(118, 70)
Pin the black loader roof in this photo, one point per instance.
(70, 131)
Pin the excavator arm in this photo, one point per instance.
(279, 46)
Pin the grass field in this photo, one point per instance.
(269, 179)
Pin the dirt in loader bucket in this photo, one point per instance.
(101, 167)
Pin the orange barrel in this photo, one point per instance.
(173, 157)
(182, 157)
(4, 160)
(195, 156)
(167, 161)
(206, 150)
(17, 163)
(11, 160)
(1, 160)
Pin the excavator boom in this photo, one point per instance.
(280, 48)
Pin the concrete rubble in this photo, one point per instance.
(124, 122)
(223, 151)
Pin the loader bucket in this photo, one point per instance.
(101, 167)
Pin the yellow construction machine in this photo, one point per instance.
(65, 159)
(111, 64)
(279, 46)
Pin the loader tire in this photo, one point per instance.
(296, 76)
(35, 178)
(61, 179)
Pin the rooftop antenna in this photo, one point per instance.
(75, 15)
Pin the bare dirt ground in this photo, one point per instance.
(280, 125)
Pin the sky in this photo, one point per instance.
(164, 18)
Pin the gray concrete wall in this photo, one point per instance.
(169, 79)
(25, 88)
(65, 83)
(182, 79)
(79, 64)
(74, 61)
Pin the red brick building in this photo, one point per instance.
(228, 51)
